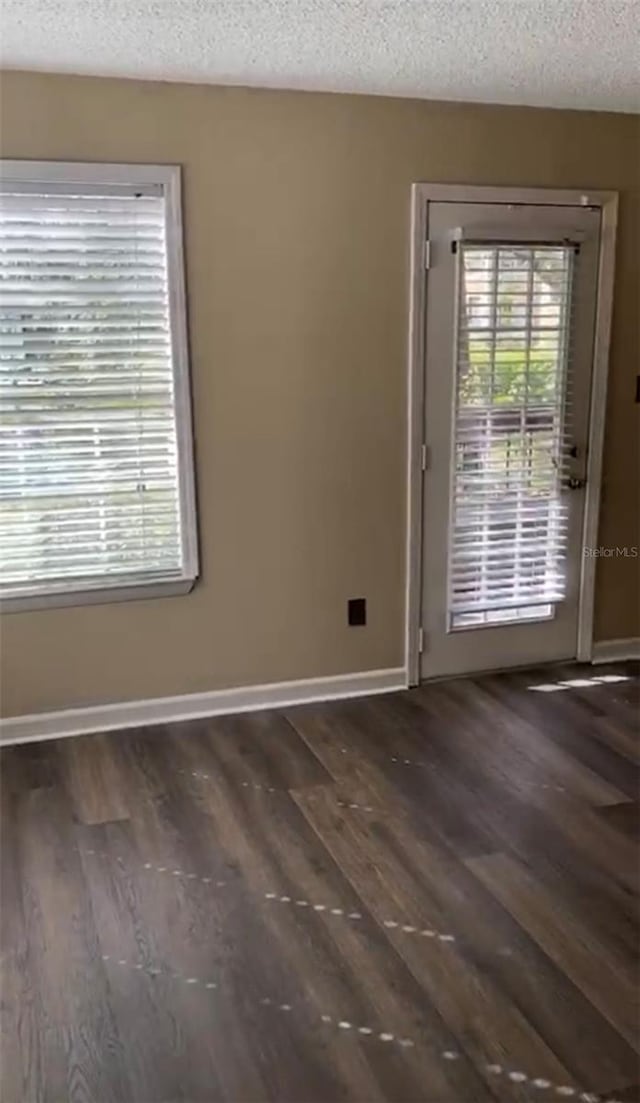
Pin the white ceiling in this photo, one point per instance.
(557, 53)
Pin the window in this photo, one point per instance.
(510, 523)
(96, 465)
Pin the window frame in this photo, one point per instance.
(168, 178)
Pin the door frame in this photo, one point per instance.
(417, 448)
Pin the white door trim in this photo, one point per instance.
(421, 195)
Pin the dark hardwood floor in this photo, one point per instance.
(425, 896)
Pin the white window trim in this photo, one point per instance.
(421, 195)
(168, 177)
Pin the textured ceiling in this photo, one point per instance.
(558, 53)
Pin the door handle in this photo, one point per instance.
(574, 483)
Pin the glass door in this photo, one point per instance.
(509, 331)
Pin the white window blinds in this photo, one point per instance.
(509, 524)
(94, 474)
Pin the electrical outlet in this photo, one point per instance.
(357, 611)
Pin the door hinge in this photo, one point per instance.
(425, 457)
(427, 254)
(421, 640)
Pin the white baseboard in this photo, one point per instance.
(164, 710)
(615, 651)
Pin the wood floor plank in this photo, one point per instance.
(489, 937)
(618, 701)
(21, 1044)
(555, 831)
(403, 773)
(66, 974)
(508, 730)
(204, 928)
(599, 742)
(624, 817)
(263, 748)
(424, 897)
(29, 766)
(92, 779)
(154, 919)
(276, 852)
(566, 940)
(490, 969)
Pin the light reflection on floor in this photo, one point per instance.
(580, 683)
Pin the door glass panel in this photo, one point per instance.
(509, 527)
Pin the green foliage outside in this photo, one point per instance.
(517, 377)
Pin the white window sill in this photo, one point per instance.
(104, 595)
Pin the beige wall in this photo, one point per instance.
(296, 221)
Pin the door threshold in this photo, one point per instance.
(430, 679)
